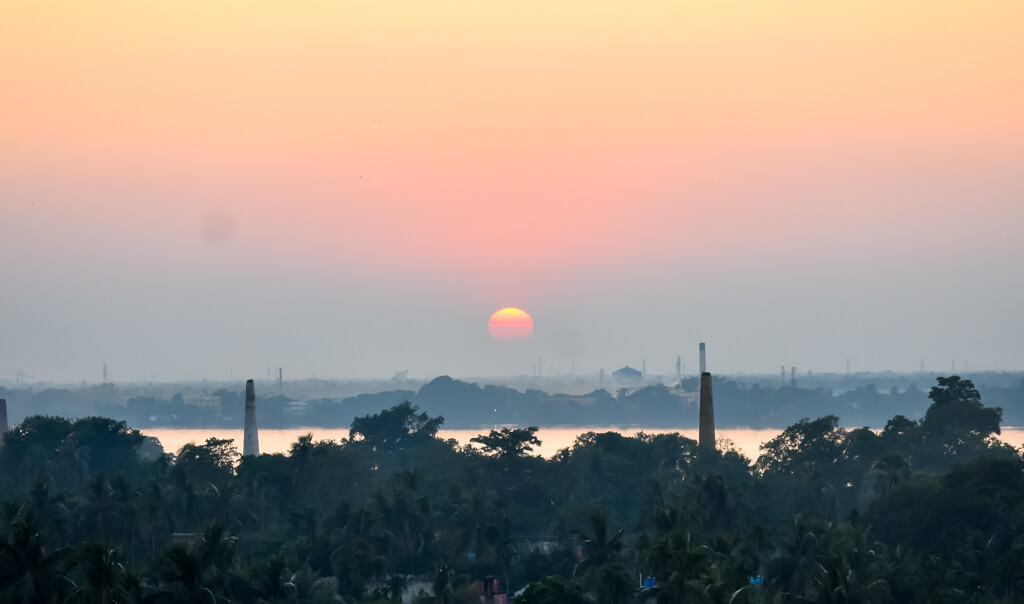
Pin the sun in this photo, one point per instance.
(510, 324)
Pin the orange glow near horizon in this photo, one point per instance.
(462, 137)
(510, 324)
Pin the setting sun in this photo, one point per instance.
(510, 323)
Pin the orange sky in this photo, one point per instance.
(507, 153)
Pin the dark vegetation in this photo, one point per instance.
(928, 510)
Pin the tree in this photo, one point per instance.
(198, 574)
(101, 576)
(956, 426)
(601, 566)
(806, 468)
(395, 428)
(887, 473)
(107, 446)
(210, 463)
(272, 579)
(508, 443)
(901, 435)
(31, 447)
(797, 562)
(952, 389)
(29, 571)
(474, 525)
(815, 443)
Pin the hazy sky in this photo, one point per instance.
(197, 189)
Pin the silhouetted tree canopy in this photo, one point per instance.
(925, 510)
(508, 442)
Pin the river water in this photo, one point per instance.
(746, 440)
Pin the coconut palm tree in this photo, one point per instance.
(185, 577)
(49, 510)
(272, 579)
(601, 569)
(154, 519)
(887, 473)
(311, 588)
(198, 574)
(473, 524)
(101, 576)
(29, 571)
(100, 510)
(797, 561)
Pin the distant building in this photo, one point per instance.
(206, 402)
(627, 375)
(298, 407)
(689, 398)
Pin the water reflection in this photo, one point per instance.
(747, 441)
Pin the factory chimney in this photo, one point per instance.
(706, 434)
(706, 437)
(251, 438)
(3, 419)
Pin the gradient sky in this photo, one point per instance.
(197, 189)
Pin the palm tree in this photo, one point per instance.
(306, 471)
(184, 503)
(28, 571)
(598, 547)
(272, 579)
(154, 520)
(732, 563)
(863, 567)
(601, 567)
(126, 499)
(797, 560)
(49, 511)
(185, 577)
(102, 576)
(100, 510)
(198, 574)
(887, 473)
(310, 588)
(358, 542)
(228, 507)
(474, 524)
(407, 514)
(717, 504)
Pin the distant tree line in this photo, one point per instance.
(927, 510)
(468, 405)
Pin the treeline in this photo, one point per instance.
(469, 405)
(927, 510)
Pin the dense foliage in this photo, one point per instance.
(928, 510)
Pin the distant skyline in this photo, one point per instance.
(197, 190)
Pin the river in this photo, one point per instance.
(746, 440)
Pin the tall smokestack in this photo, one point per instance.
(3, 419)
(703, 362)
(251, 440)
(706, 436)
